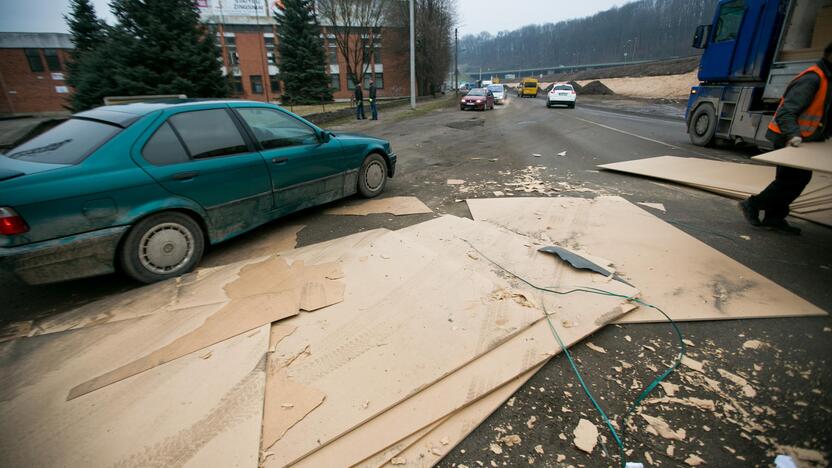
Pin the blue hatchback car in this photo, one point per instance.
(144, 187)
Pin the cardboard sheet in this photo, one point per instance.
(463, 302)
(202, 410)
(733, 180)
(685, 277)
(265, 292)
(811, 156)
(394, 205)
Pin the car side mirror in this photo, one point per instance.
(700, 37)
(324, 136)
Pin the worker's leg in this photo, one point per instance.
(374, 110)
(776, 198)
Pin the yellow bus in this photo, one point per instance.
(528, 87)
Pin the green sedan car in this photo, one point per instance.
(145, 187)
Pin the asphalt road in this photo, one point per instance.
(792, 374)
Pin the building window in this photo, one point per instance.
(237, 84)
(335, 82)
(350, 84)
(333, 54)
(379, 78)
(270, 49)
(256, 84)
(274, 83)
(52, 59)
(35, 62)
(231, 48)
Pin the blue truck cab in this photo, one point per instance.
(751, 51)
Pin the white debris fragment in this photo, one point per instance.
(627, 337)
(498, 193)
(744, 237)
(659, 426)
(693, 364)
(496, 449)
(655, 206)
(537, 155)
(511, 440)
(747, 389)
(455, 182)
(670, 389)
(539, 449)
(531, 422)
(562, 153)
(510, 401)
(595, 347)
(694, 460)
(586, 436)
(754, 344)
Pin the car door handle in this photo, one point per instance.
(279, 160)
(185, 175)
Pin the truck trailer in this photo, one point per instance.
(752, 51)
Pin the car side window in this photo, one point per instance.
(209, 133)
(164, 148)
(274, 129)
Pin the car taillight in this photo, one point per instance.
(11, 223)
(573, 91)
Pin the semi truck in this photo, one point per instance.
(751, 52)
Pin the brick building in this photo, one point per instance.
(32, 67)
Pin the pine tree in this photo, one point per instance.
(87, 32)
(157, 47)
(302, 58)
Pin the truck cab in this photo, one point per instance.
(751, 51)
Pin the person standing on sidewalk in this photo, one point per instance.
(372, 94)
(359, 102)
(803, 115)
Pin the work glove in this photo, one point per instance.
(795, 141)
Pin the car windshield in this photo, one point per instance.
(531, 85)
(563, 88)
(68, 143)
(477, 92)
(496, 88)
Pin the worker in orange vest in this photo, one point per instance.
(803, 115)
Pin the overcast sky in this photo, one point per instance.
(474, 15)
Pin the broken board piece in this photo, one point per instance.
(397, 206)
(809, 156)
(685, 277)
(426, 449)
(265, 292)
(414, 360)
(199, 410)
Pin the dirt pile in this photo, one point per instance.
(664, 67)
(596, 88)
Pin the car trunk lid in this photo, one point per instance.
(13, 168)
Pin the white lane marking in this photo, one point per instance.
(628, 133)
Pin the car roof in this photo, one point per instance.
(125, 114)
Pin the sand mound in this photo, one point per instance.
(668, 86)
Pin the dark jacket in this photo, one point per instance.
(798, 96)
(359, 95)
(373, 93)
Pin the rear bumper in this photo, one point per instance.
(78, 256)
(560, 99)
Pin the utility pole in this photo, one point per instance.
(412, 58)
(456, 61)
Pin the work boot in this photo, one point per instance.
(781, 225)
(751, 214)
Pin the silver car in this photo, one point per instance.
(499, 92)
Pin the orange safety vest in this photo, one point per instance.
(810, 119)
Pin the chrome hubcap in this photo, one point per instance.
(166, 248)
(375, 176)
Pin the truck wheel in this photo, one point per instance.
(702, 125)
(372, 177)
(162, 246)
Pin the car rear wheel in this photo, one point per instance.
(372, 176)
(162, 246)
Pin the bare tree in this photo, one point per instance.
(434, 25)
(356, 25)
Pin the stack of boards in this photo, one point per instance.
(379, 348)
(739, 181)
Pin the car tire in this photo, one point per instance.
(702, 126)
(372, 176)
(162, 246)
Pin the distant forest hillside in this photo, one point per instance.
(645, 29)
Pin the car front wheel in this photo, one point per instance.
(162, 246)
(372, 176)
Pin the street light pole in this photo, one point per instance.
(412, 58)
(456, 61)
